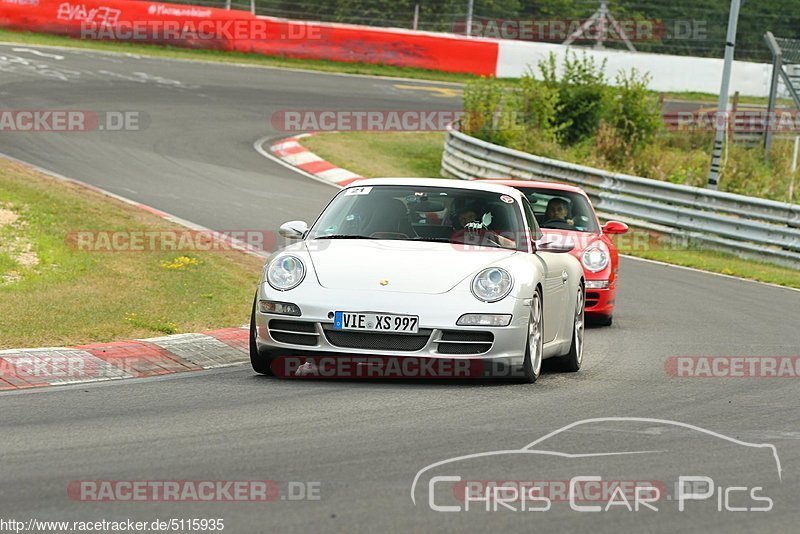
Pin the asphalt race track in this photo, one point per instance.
(362, 443)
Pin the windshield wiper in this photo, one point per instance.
(433, 239)
(344, 236)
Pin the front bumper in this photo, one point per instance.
(439, 337)
(600, 302)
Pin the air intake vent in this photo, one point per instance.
(465, 342)
(294, 332)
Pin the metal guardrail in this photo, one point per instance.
(753, 227)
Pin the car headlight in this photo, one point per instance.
(285, 272)
(595, 259)
(492, 284)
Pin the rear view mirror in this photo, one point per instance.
(293, 229)
(558, 248)
(615, 227)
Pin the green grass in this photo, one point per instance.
(724, 263)
(712, 99)
(76, 296)
(234, 57)
(385, 154)
(419, 154)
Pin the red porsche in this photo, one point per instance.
(565, 214)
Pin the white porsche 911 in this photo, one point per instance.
(419, 269)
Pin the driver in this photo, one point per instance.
(557, 212)
(468, 214)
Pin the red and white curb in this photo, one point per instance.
(292, 152)
(33, 368)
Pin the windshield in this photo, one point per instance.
(414, 213)
(561, 210)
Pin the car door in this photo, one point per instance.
(554, 280)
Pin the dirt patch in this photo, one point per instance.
(7, 217)
(19, 248)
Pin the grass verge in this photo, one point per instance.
(724, 263)
(386, 154)
(53, 293)
(419, 154)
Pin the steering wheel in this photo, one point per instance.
(558, 224)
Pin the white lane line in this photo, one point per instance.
(38, 53)
(234, 64)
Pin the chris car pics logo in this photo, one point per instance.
(564, 471)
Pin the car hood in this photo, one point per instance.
(404, 266)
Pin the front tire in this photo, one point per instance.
(534, 345)
(603, 320)
(571, 361)
(261, 364)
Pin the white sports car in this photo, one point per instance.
(416, 269)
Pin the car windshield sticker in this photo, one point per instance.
(358, 191)
(507, 199)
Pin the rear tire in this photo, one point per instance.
(261, 363)
(534, 344)
(571, 361)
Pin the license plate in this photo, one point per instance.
(376, 322)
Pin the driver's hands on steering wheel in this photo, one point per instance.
(559, 221)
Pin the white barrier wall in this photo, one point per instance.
(668, 73)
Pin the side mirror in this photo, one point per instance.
(293, 229)
(615, 227)
(558, 248)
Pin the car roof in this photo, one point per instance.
(475, 185)
(530, 184)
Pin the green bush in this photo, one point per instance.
(484, 105)
(635, 114)
(583, 94)
(538, 108)
(572, 115)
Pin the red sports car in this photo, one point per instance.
(565, 214)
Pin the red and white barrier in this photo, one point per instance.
(349, 43)
(264, 35)
(295, 154)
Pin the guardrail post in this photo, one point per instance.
(777, 66)
(722, 107)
